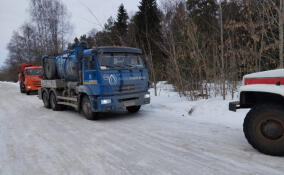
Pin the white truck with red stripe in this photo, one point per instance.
(263, 126)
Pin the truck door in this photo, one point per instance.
(90, 71)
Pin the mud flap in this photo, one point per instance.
(39, 93)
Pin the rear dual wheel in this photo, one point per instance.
(264, 129)
(45, 100)
(53, 102)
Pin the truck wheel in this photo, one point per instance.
(264, 129)
(133, 109)
(50, 69)
(28, 92)
(45, 100)
(53, 102)
(87, 109)
(22, 89)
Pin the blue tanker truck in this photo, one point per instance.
(95, 80)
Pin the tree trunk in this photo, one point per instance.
(281, 22)
(222, 53)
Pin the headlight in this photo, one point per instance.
(29, 87)
(147, 96)
(105, 101)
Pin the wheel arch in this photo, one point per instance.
(249, 99)
(80, 99)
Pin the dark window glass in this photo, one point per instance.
(120, 61)
(34, 71)
(90, 63)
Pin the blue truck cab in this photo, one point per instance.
(96, 80)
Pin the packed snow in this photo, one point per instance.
(170, 136)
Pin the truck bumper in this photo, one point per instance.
(119, 102)
(233, 106)
(31, 88)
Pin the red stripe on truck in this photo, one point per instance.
(249, 81)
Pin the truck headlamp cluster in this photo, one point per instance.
(29, 87)
(147, 96)
(106, 101)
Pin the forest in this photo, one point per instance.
(202, 47)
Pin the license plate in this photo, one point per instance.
(129, 103)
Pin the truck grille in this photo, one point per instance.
(37, 83)
(129, 87)
(128, 99)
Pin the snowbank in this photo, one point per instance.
(212, 110)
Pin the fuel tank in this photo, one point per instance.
(65, 66)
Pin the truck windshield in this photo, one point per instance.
(34, 71)
(120, 61)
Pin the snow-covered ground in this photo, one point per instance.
(162, 139)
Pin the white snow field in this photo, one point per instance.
(161, 139)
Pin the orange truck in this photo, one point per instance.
(30, 76)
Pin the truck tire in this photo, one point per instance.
(50, 69)
(133, 109)
(22, 89)
(45, 100)
(264, 129)
(87, 109)
(53, 102)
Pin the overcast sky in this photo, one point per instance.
(13, 13)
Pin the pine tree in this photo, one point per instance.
(76, 41)
(149, 37)
(148, 30)
(148, 21)
(121, 21)
(204, 14)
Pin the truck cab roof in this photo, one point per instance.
(33, 67)
(112, 49)
(118, 49)
(25, 66)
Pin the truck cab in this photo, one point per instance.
(96, 80)
(116, 77)
(263, 93)
(29, 77)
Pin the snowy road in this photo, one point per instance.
(158, 140)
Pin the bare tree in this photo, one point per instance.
(281, 30)
(45, 34)
(51, 20)
(222, 51)
(277, 5)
